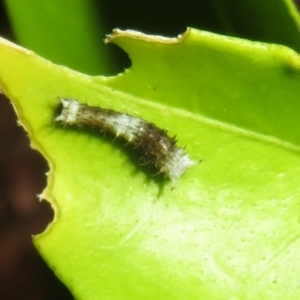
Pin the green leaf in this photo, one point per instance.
(67, 32)
(273, 21)
(70, 32)
(230, 228)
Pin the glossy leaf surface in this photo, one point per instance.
(230, 227)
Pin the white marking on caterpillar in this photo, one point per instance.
(72, 108)
(156, 146)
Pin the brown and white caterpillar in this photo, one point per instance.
(156, 146)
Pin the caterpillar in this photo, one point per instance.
(155, 145)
